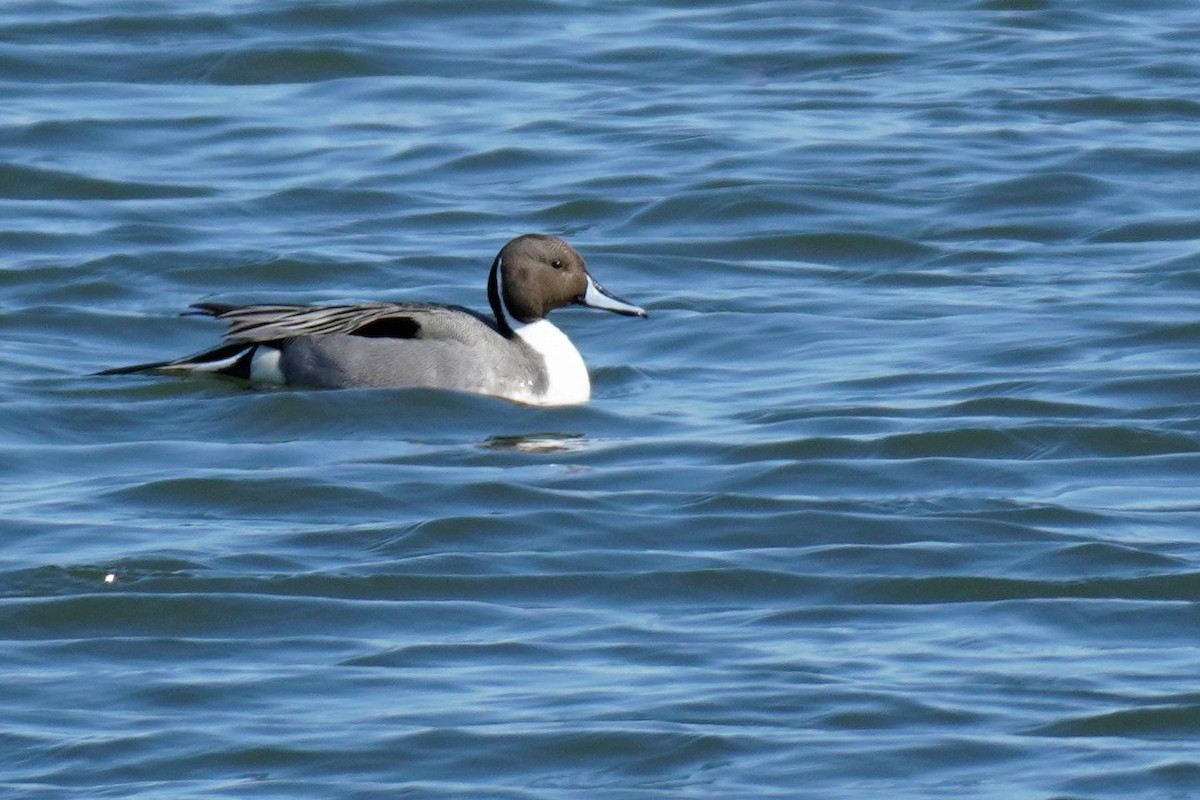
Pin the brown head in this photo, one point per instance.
(535, 274)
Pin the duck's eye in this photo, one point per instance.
(556, 264)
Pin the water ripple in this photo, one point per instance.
(893, 493)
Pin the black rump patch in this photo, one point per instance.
(389, 328)
(221, 353)
(239, 368)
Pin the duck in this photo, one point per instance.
(515, 354)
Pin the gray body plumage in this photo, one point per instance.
(453, 349)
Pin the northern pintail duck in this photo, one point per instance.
(518, 355)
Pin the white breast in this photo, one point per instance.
(568, 383)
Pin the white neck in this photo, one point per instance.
(567, 376)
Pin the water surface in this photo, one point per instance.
(893, 494)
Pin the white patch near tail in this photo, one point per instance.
(264, 365)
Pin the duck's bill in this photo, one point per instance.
(597, 296)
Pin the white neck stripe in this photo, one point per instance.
(504, 312)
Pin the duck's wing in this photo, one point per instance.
(256, 324)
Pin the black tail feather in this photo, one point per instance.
(201, 362)
(133, 370)
(210, 309)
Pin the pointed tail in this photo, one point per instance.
(231, 359)
(134, 369)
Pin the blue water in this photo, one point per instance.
(893, 495)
